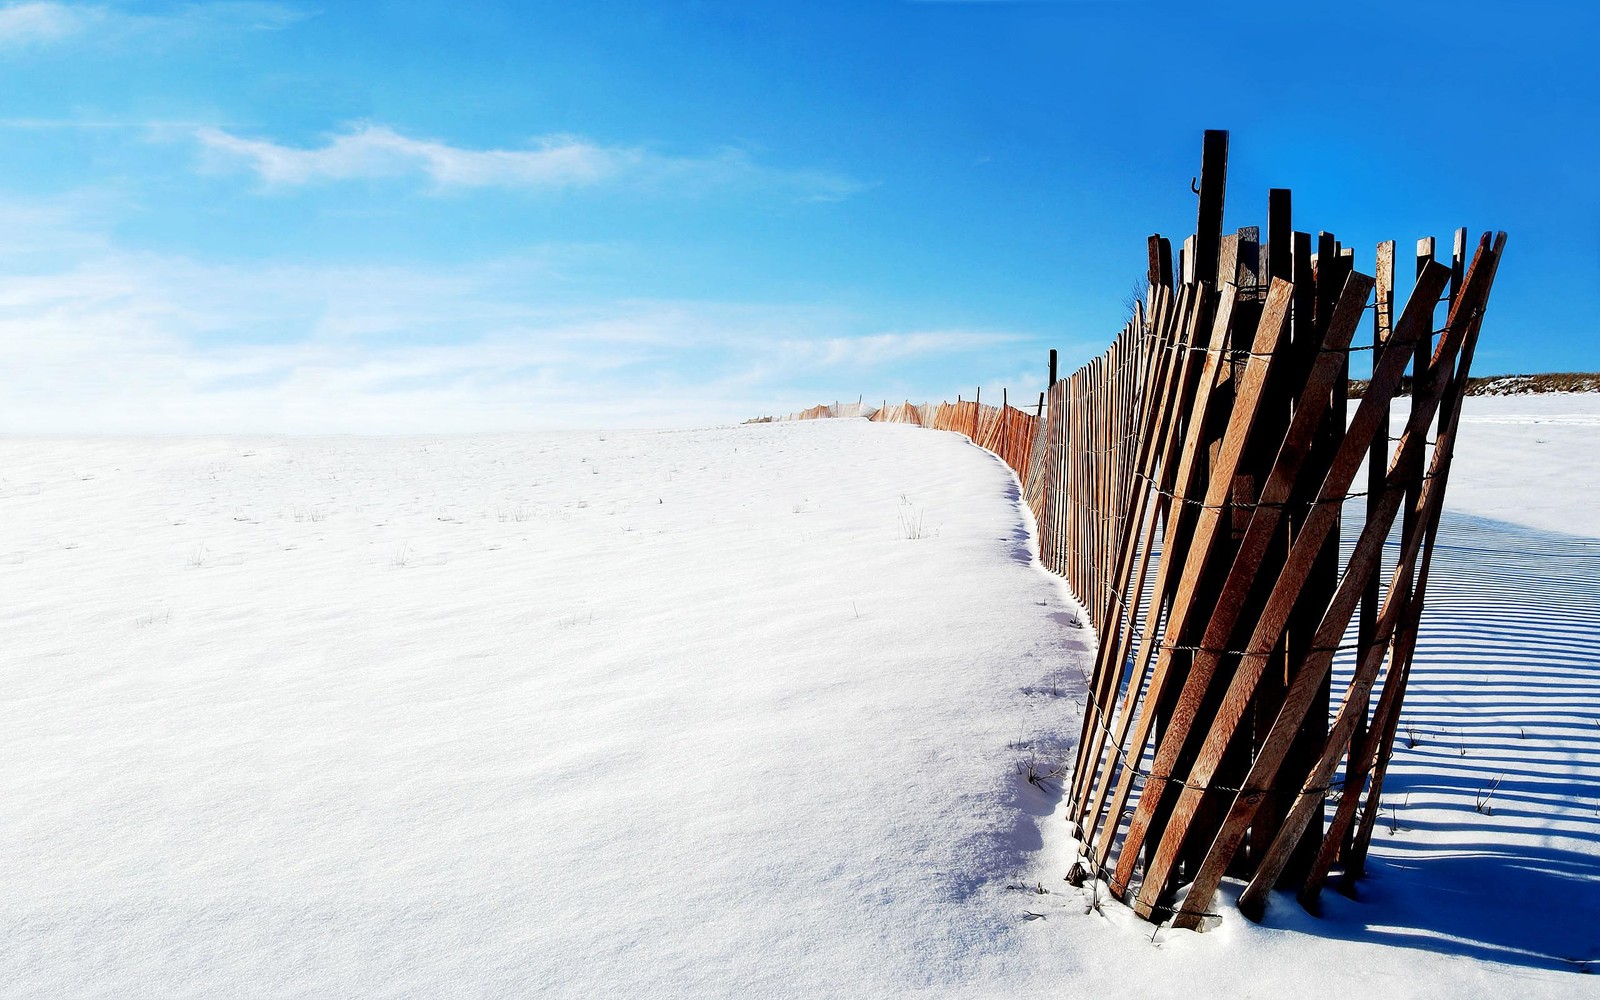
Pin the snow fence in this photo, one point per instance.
(1192, 484)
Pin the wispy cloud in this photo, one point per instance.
(113, 341)
(879, 350)
(36, 23)
(373, 151)
(369, 151)
(46, 22)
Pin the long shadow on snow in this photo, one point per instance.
(1506, 685)
(1021, 539)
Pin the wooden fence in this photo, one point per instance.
(1193, 485)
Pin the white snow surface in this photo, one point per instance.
(717, 713)
(1532, 460)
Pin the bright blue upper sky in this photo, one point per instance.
(412, 216)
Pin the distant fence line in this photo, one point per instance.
(1005, 430)
(1191, 484)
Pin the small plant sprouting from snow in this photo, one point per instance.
(1043, 775)
(911, 522)
(1394, 814)
(1486, 794)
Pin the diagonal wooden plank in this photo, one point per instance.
(1208, 365)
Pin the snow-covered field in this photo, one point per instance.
(728, 712)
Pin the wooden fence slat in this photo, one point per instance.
(1384, 735)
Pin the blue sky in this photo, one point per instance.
(391, 217)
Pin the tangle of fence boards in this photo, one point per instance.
(1201, 524)
(1192, 484)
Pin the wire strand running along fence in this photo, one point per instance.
(1192, 485)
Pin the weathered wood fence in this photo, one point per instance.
(1192, 485)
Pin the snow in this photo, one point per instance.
(1530, 460)
(723, 712)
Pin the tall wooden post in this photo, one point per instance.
(1213, 187)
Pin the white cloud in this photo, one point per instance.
(373, 151)
(36, 23)
(881, 349)
(44, 22)
(369, 151)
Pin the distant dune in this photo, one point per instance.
(1510, 385)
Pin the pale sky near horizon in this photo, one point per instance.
(429, 217)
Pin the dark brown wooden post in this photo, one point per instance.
(1331, 269)
(1280, 242)
(1424, 351)
(1313, 298)
(1158, 268)
(1213, 187)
